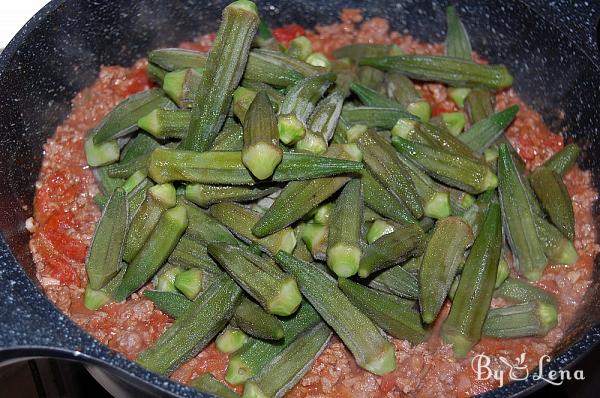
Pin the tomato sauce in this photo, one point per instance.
(65, 216)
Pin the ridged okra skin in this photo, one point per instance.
(521, 320)
(207, 383)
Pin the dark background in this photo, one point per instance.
(51, 378)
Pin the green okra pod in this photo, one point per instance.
(102, 154)
(171, 303)
(231, 137)
(290, 365)
(190, 253)
(444, 254)
(134, 156)
(371, 77)
(521, 320)
(156, 73)
(166, 123)
(479, 105)
(387, 311)
(194, 329)
(222, 74)
(398, 281)
(261, 153)
(227, 167)
(164, 281)
(207, 383)
(363, 50)
(275, 96)
(258, 353)
(94, 299)
(562, 161)
(242, 98)
(159, 245)
(203, 228)
(383, 163)
(344, 241)
(241, 221)
(300, 48)
(299, 197)
(384, 202)
(181, 86)
(403, 90)
(378, 229)
(519, 218)
(391, 249)
(190, 282)
(230, 340)
(462, 328)
(205, 195)
(517, 290)
(486, 131)
(324, 118)
(254, 321)
(466, 174)
(383, 118)
(557, 248)
(370, 349)
(372, 98)
(123, 118)
(298, 104)
(104, 256)
(458, 44)
(453, 122)
(158, 199)
(315, 237)
(452, 71)
(276, 292)
(554, 198)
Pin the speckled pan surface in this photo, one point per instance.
(550, 46)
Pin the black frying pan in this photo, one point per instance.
(549, 46)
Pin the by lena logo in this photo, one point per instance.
(505, 369)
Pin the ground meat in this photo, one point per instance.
(65, 216)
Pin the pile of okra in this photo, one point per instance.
(273, 196)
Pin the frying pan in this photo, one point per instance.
(551, 48)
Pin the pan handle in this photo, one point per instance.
(579, 20)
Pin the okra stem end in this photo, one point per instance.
(262, 159)
(384, 363)
(438, 206)
(291, 130)
(343, 260)
(288, 300)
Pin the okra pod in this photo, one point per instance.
(403, 90)
(156, 73)
(261, 153)
(190, 253)
(104, 256)
(205, 195)
(503, 272)
(164, 281)
(227, 168)
(123, 118)
(300, 197)
(435, 200)
(316, 238)
(194, 329)
(444, 254)
(190, 282)
(275, 96)
(391, 249)
(300, 48)
(242, 98)
(344, 241)
(363, 50)
(253, 320)
(311, 143)
(398, 281)
(557, 248)
(277, 293)
(381, 200)
(101, 154)
(562, 161)
(453, 71)
(231, 137)
(383, 163)
(457, 171)
(181, 86)
(458, 44)
(370, 349)
(159, 245)
(462, 328)
(378, 229)
(166, 123)
(136, 196)
(213, 94)
(158, 199)
(521, 291)
(134, 156)
(483, 133)
(387, 311)
(172, 304)
(453, 122)
(519, 218)
(301, 250)
(230, 340)
(258, 353)
(171, 59)
(372, 98)
(383, 118)
(372, 78)
(324, 118)
(479, 105)
(298, 104)
(241, 221)
(290, 365)
(95, 299)
(319, 60)
(554, 197)
(459, 95)
(206, 383)
(521, 320)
